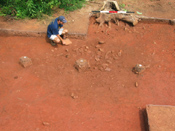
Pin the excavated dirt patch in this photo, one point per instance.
(52, 95)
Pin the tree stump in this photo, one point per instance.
(102, 18)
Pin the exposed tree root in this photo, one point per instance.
(102, 18)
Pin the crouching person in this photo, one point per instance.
(55, 31)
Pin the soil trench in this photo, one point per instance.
(51, 95)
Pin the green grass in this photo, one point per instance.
(35, 8)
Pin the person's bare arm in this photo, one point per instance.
(63, 42)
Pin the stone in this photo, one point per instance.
(138, 69)
(105, 65)
(97, 58)
(97, 46)
(45, 123)
(74, 96)
(82, 65)
(67, 41)
(101, 50)
(161, 117)
(16, 77)
(101, 42)
(86, 47)
(25, 61)
(120, 53)
(67, 56)
(109, 62)
(108, 69)
(172, 22)
(136, 84)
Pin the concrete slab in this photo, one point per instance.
(161, 118)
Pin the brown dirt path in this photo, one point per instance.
(51, 95)
(152, 8)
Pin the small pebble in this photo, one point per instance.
(101, 42)
(73, 96)
(16, 77)
(136, 84)
(97, 46)
(108, 69)
(45, 123)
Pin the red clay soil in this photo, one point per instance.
(51, 95)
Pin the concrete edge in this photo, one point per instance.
(147, 110)
(11, 32)
(155, 20)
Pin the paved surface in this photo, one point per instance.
(161, 118)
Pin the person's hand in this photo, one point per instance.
(63, 42)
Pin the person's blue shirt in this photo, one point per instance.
(53, 28)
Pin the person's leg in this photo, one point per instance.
(54, 40)
(57, 40)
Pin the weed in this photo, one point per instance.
(122, 5)
(35, 8)
(169, 3)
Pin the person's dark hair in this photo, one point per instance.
(62, 19)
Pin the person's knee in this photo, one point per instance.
(57, 40)
(65, 31)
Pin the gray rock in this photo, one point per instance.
(139, 68)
